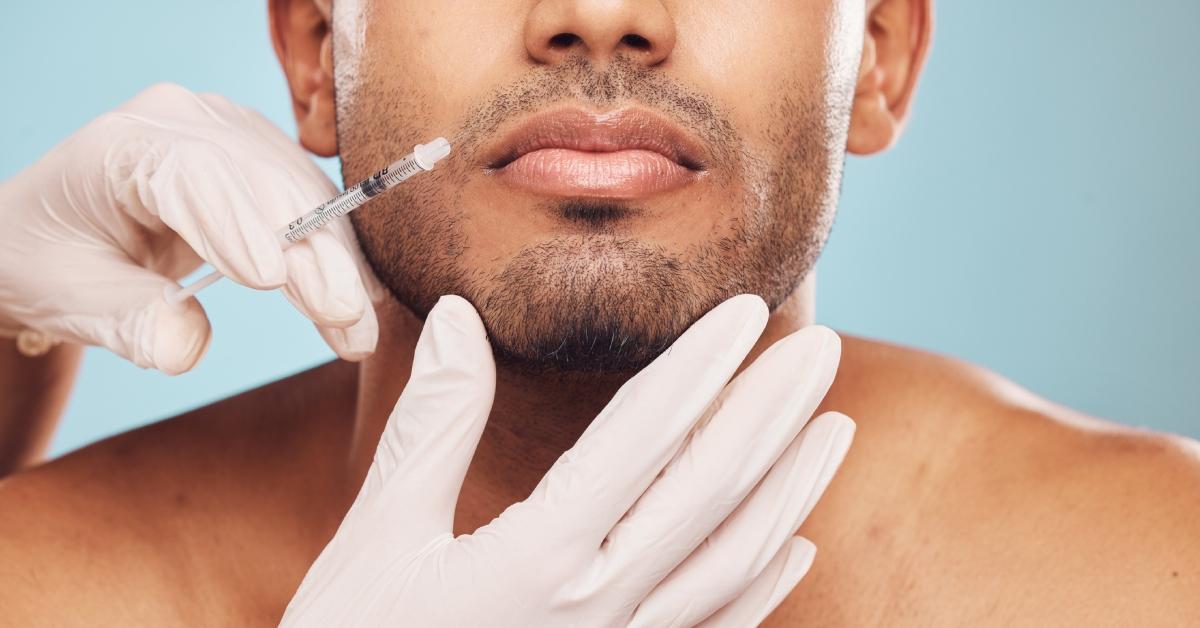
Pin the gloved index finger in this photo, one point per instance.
(758, 415)
(594, 483)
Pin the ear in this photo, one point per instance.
(301, 31)
(896, 42)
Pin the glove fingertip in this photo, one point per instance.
(324, 283)
(457, 310)
(800, 555)
(179, 336)
(354, 343)
(454, 340)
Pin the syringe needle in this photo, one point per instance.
(422, 159)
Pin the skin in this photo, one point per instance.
(36, 391)
(964, 500)
(642, 269)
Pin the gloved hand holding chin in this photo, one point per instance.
(677, 506)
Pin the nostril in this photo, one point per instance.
(564, 40)
(636, 41)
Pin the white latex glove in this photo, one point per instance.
(112, 217)
(660, 515)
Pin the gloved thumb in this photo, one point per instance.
(126, 312)
(433, 431)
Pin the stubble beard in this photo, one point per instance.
(595, 300)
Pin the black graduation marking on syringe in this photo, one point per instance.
(374, 185)
(338, 206)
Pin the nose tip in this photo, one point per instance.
(642, 30)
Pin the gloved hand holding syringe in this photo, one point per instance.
(118, 213)
(423, 158)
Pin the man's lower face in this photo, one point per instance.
(592, 214)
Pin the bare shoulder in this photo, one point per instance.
(968, 404)
(1014, 509)
(106, 533)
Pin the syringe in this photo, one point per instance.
(423, 157)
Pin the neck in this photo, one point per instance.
(534, 419)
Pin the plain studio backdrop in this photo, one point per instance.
(1039, 217)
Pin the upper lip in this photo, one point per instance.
(577, 129)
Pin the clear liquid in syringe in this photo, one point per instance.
(423, 157)
(343, 203)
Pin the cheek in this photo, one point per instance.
(752, 59)
(441, 55)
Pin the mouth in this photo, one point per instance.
(624, 154)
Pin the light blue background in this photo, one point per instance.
(1040, 217)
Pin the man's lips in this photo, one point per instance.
(629, 153)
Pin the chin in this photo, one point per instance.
(587, 304)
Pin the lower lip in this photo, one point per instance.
(617, 174)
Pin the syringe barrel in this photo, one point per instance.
(423, 157)
(347, 201)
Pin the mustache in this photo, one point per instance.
(577, 79)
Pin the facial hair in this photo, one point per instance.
(597, 299)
